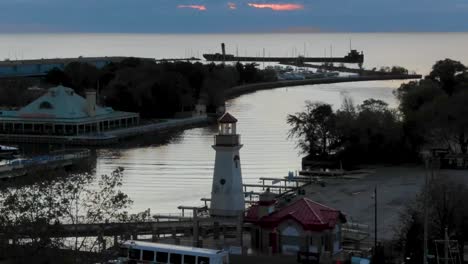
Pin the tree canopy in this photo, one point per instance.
(434, 109)
(33, 211)
(314, 129)
(447, 209)
(370, 132)
(157, 89)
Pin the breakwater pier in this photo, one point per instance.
(249, 88)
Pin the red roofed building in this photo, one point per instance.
(302, 226)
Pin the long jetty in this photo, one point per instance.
(338, 69)
(249, 88)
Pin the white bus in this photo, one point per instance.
(133, 252)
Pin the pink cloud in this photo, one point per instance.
(232, 5)
(198, 7)
(278, 7)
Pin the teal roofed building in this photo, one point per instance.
(62, 112)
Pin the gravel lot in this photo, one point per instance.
(396, 186)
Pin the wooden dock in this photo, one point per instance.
(59, 159)
(158, 228)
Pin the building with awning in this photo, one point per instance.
(301, 227)
(62, 112)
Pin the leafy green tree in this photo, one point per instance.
(158, 89)
(57, 77)
(445, 72)
(33, 214)
(315, 129)
(373, 105)
(82, 76)
(433, 109)
(367, 133)
(370, 132)
(444, 121)
(398, 70)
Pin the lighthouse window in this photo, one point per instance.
(236, 161)
(222, 181)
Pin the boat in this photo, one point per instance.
(8, 151)
(291, 76)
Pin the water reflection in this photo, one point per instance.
(163, 171)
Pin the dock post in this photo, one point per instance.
(239, 230)
(154, 235)
(116, 241)
(216, 230)
(195, 231)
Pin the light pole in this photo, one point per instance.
(428, 161)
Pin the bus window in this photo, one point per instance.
(123, 252)
(175, 258)
(148, 255)
(188, 259)
(162, 257)
(134, 253)
(203, 260)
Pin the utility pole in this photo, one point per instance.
(375, 220)
(446, 246)
(426, 199)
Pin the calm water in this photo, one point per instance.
(161, 177)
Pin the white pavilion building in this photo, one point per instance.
(62, 112)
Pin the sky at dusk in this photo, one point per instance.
(232, 16)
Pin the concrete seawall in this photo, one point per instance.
(161, 126)
(249, 88)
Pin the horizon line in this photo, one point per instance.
(226, 33)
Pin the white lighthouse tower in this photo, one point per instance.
(227, 195)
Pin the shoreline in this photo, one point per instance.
(115, 136)
(250, 88)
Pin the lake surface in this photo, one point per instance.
(162, 176)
